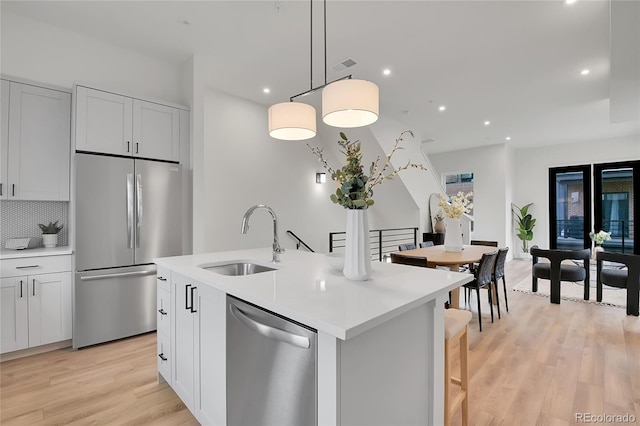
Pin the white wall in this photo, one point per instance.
(488, 165)
(243, 166)
(532, 172)
(43, 53)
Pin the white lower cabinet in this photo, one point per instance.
(163, 322)
(197, 367)
(34, 310)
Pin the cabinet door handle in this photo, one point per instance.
(34, 286)
(13, 189)
(162, 357)
(186, 297)
(20, 289)
(0, 189)
(161, 278)
(128, 148)
(192, 290)
(136, 147)
(27, 266)
(162, 312)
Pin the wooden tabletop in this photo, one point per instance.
(437, 256)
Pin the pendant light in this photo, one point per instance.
(346, 102)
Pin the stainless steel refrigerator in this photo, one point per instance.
(128, 212)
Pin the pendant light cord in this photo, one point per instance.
(325, 42)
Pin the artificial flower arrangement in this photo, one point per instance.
(457, 205)
(600, 237)
(355, 189)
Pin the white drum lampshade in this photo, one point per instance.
(350, 103)
(292, 121)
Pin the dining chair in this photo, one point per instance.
(620, 277)
(403, 247)
(426, 244)
(483, 243)
(498, 273)
(556, 271)
(409, 260)
(482, 279)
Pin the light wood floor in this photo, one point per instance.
(539, 365)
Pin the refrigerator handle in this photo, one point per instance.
(138, 208)
(129, 210)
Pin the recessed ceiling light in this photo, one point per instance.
(387, 71)
(486, 123)
(508, 138)
(585, 72)
(570, 1)
(442, 107)
(266, 90)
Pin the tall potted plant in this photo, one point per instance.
(525, 223)
(354, 192)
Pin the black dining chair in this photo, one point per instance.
(426, 244)
(403, 247)
(482, 279)
(620, 277)
(409, 260)
(498, 273)
(556, 271)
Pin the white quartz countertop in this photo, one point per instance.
(305, 288)
(35, 252)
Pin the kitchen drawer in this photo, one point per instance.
(34, 266)
(164, 311)
(164, 278)
(164, 356)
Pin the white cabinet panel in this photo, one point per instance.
(4, 138)
(182, 367)
(13, 314)
(210, 357)
(156, 131)
(103, 122)
(49, 308)
(38, 147)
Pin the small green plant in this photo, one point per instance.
(51, 228)
(525, 224)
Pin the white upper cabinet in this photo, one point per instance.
(115, 124)
(103, 122)
(4, 141)
(35, 143)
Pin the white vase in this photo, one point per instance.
(439, 227)
(49, 240)
(357, 255)
(453, 236)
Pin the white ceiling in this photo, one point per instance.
(515, 63)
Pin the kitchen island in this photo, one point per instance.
(380, 343)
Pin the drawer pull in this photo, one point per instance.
(162, 312)
(161, 278)
(162, 357)
(27, 267)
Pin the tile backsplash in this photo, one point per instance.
(21, 218)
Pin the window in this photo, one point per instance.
(462, 182)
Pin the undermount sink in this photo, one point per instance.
(238, 268)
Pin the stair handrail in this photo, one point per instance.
(299, 241)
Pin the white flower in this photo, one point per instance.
(458, 205)
(600, 237)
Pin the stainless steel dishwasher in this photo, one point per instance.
(271, 368)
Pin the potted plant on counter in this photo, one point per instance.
(50, 234)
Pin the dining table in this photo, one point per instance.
(454, 260)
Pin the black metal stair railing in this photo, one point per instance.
(299, 241)
(382, 241)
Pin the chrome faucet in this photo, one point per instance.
(245, 227)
